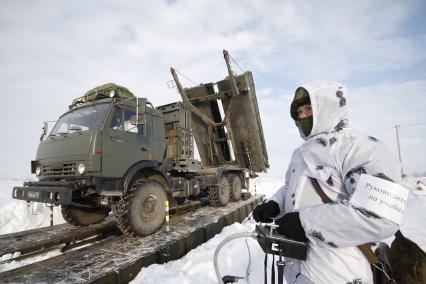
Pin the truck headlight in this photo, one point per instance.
(81, 168)
(38, 171)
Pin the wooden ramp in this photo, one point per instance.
(119, 259)
(43, 238)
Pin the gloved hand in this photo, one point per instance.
(290, 226)
(264, 211)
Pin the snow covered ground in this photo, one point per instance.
(197, 265)
(17, 215)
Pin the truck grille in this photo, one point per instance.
(62, 169)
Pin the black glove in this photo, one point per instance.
(290, 226)
(264, 211)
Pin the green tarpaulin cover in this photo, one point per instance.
(101, 92)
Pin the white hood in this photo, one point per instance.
(329, 106)
(336, 156)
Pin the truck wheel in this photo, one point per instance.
(82, 216)
(235, 187)
(142, 211)
(219, 195)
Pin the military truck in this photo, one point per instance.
(113, 151)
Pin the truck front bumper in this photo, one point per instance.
(58, 193)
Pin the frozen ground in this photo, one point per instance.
(197, 265)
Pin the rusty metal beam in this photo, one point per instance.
(234, 88)
(187, 101)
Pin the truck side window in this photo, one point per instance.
(128, 126)
(117, 118)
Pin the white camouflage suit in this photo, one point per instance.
(336, 156)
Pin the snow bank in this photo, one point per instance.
(20, 216)
(266, 185)
(6, 190)
(197, 265)
(17, 215)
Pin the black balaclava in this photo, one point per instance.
(301, 98)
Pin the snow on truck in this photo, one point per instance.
(114, 151)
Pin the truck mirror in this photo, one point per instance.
(141, 105)
(140, 119)
(44, 130)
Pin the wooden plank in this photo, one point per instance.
(37, 239)
(119, 259)
(43, 238)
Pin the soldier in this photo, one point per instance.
(334, 156)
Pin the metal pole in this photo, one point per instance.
(167, 209)
(137, 112)
(51, 215)
(399, 148)
(235, 90)
(187, 101)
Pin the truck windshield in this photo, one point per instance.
(82, 119)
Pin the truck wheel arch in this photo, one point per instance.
(148, 169)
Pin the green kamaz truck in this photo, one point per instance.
(113, 151)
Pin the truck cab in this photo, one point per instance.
(88, 159)
(98, 139)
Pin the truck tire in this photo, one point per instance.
(142, 210)
(82, 216)
(219, 195)
(236, 187)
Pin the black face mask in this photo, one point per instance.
(305, 125)
(298, 103)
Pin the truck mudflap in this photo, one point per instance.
(45, 194)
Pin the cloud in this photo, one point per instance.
(391, 103)
(378, 108)
(54, 51)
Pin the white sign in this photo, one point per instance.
(275, 247)
(384, 198)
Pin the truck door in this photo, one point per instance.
(125, 144)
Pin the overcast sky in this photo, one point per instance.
(54, 51)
